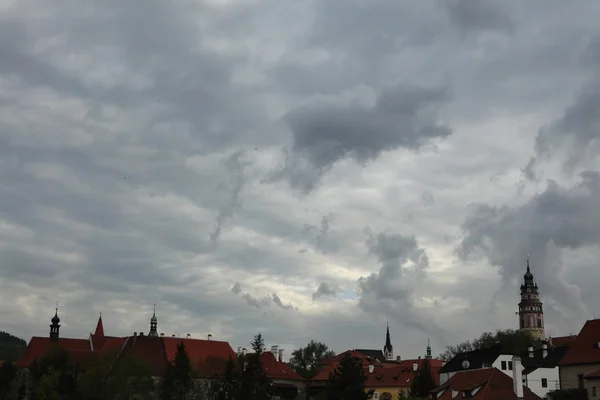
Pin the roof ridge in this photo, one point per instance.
(487, 383)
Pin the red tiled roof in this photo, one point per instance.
(276, 369)
(563, 340)
(353, 353)
(112, 344)
(208, 356)
(492, 383)
(99, 328)
(149, 350)
(38, 347)
(585, 349)
(592, 375)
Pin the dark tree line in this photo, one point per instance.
(514, 341)
(11, 347)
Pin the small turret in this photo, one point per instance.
(55, 326)
(153, 324)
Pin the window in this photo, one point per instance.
(510, 365)
(375, 396)
(503, 365)
(544, 382)
(467, 394)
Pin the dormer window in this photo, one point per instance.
(467, 394)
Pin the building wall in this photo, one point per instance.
(504, 364)
(299, 384)
(445, 376)
(569, 374)
(534, 381)
(394, 391)
(593, 388)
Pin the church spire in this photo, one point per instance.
(388, 350)
(99, 327)
(428, 354)
(153, 323)
(55, 326)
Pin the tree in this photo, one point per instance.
(48, 387)
(305, 361)
(230, 383)
(513, 341)
(8, 373)
(254, 381)
(177, 382)
(347, 381)
(423, 382)
(54, 366)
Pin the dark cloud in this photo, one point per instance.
(573, 137)
(485, 15)
(402, 116)
(559, 218)
(325, 289)
(265, 301)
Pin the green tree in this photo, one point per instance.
(347, 381)
(177, 382)
(48, 387)
(306, 361)
(514, 341)
(229, 385)
(254, 382)
(8, 374)
(54, 365)
(423, 382)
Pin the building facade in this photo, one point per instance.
(531, 314)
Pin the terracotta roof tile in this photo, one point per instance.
(147, 349)
(492, 383)
(585, 348)
(563, 340)
(278, 370)
(38, 347)
(208, 356)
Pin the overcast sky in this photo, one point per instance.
(307, 169)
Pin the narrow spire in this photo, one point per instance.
(388, 350)
(528, 270)
(153, 323)
(428, 354)
(99, 327)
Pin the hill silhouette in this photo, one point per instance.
(11, 347)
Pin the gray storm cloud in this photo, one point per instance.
(556, 219)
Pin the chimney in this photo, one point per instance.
(209, 337)
(280, 355)
(172, 335)
(517, 377)
(398, 358)
(371, 368)
(415, 366)
(530, 350)
(274, 350)
(244, 351)
(134, 334)
(141, 333)
(188, 336)
(544, 350)
(162, 334)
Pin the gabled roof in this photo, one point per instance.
(366, 360)
(476, 359)
(377, 354)
(275, 369)
(149, 350)
(585, 348)
(38, 347)
(485, 384)
(555, 354)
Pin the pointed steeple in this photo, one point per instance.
(99, 332)
(55, 326)
(428, 354)
(388, 350)
(153, 324)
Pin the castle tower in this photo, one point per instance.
(388, 349)
(55, 326)
(153, 324)
(531, 314)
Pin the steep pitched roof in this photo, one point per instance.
(208, 356)
(562, 340)
(376, 354)
(148, 349)
(278, 370)
(484, 384)
(366, 360)
(476, 358)
(585, 349)
(38, 347)
(530, 364)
